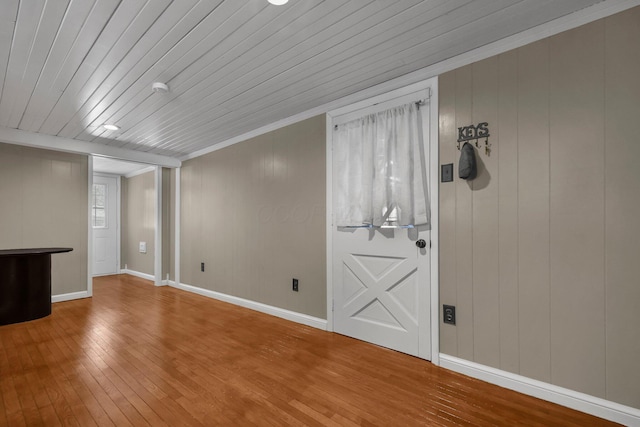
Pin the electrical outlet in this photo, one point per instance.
(295, 285)
(202, 266)
(449, 314)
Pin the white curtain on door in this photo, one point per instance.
(380, 170)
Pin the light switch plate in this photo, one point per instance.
(446, 173)
(143, 247)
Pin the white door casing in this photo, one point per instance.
(381, 281)
(105, 238)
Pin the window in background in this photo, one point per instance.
(99, 206)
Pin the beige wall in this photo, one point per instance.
(540, 253)
(172, 224)
(167, 226)
(254, 212)
(138, 222)
(44, 203)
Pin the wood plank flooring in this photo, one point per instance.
(137, 355)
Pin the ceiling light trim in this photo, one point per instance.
(159, 87)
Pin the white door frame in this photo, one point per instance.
(89, 226)
(431, 84)
(157, 276)
(157, 177)
(118, 216)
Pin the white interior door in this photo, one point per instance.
(104, 220)
(381, 292)
(381, 278)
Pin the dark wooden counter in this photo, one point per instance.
(25, 283)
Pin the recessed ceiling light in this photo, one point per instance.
(278, 2)
(111, 127)
(159, 87)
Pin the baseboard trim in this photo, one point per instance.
(293, 316)
(70, 296)
(106, 274)
(602, 408)
(139, 274)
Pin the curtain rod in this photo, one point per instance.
(418, 103)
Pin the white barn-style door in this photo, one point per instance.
(381, 292)
(381, 277)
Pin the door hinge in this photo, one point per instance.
(429, 244)
(333, 305)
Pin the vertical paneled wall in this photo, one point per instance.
(540, 252)
(44, 203)
(167, 224)
(254, 213)
(172, 224)
(138, 222)
(622, 207)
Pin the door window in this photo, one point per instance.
(99, 206)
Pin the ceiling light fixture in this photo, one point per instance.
(111, 127)
(159, 87)
(278, 2)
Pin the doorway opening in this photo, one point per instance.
(125, 219)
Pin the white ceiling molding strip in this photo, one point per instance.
(56, 143)
(140, 171)
(565, 23)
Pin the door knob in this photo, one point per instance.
(421, 243)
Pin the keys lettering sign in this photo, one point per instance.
(468, 133)
(475, 132)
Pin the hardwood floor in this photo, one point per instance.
(140, 355)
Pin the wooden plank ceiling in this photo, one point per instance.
(69, 66)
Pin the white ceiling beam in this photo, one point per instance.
(48, 142)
